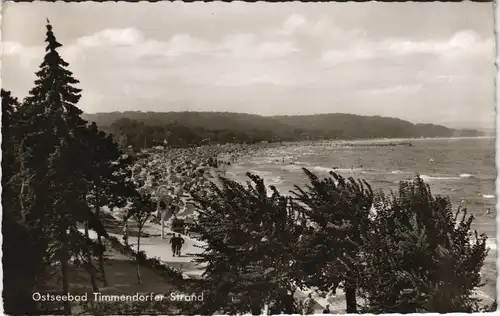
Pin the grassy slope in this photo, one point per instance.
(120, 272)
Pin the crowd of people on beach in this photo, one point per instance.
(171, 175)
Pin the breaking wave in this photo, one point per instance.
(466, 175)
(430, 178)
(325, 169)
(491, 243)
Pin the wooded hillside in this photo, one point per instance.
(181, 129)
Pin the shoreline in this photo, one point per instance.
(381, 140)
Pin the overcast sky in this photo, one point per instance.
(424, 62)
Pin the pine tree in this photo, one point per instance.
(52, 128)
(338, 211)
(419, 255)
(58, 172)
(54, 91)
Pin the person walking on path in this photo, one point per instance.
(125, 234)
(180, 242)
(174, 243)
(308, 305)
(327, 309)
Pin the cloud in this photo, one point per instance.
(26, 56)
(276, 49)
(133, 43)
(138, 63)
(11, 48)
(360, 51)
(461, 44)
(238, 80)
(442, 77)
(119, 37)
(293, 23)
(185, 44)
(323, 29)
(409, 88)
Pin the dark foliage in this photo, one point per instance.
(251, 237)
(338, 210)
(20, 268)
(141, 135)
(407, 254)
(419, 255)
(57, 172)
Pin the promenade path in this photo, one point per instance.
(154, 246)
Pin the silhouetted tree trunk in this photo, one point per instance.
(350, 297)
(64, 271)
(88, 264)
(138, 254)
(99, 242)
(162, 219)
(493, 307)
(289, 304)
(256, 308)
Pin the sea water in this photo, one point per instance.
(461, 168)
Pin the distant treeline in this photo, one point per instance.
(182, 129)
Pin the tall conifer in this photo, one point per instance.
(51, 156)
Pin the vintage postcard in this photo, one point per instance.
(248, 158)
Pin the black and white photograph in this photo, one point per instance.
(239, 158)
